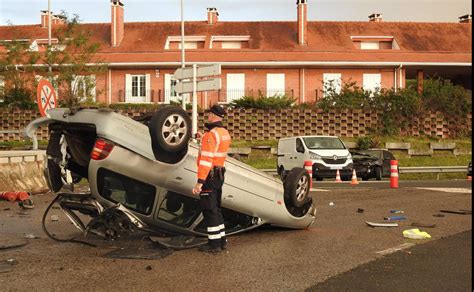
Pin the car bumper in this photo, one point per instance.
(320, 170)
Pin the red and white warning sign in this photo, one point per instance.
(46, 96)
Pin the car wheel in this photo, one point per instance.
(297, 185)
(170, 128)
(378, 173)
(166, 131)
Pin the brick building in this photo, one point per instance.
(297, 58)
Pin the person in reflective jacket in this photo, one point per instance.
(214, 146)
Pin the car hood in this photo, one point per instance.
(330, 152)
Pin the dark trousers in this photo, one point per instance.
(210, 202)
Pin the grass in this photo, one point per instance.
(21, 145)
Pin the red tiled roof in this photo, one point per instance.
(276, 41)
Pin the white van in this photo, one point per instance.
(327, 153)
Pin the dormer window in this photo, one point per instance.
(375, 42)
(190, 42)
(229, 42)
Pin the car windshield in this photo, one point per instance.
(323, 143)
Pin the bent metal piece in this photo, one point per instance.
(86, 204)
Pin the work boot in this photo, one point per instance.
(224, 243)
(208, 248)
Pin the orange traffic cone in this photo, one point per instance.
(354, 180)
(338, 176)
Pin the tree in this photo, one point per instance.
(71, 56)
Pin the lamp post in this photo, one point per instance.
(49, 30)
(182, 49)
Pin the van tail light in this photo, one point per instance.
(101, 150)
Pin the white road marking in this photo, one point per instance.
(449, 190)
(319, 190)
(395, 249)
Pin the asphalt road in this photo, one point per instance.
(266, 259)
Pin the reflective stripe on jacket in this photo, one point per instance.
(214, 147)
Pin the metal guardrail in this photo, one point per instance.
(412, 169)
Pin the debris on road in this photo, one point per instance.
(14, 196)
(7, 265)
(139, 253)
(416, 234)
(397, 211)
(179, 241)
(460, 212)
(12, 243)
(31, 236)
(149, 268)
(332, 204)
(438, 215)
(26, 204)
(6, 209)
(359, 210)
(395, 218)
(423, 225)
(373, 224)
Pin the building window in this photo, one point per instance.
(189, 45)
(137, 88)
(138, 85)
(369, 46)
(231, 45)
(190, 42)
(235, 86)
(275, 84)
(372, 82)
(332, 83)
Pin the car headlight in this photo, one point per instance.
(349, 156)
(314, 156)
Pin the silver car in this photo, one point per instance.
(141, 173)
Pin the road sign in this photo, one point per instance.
(46, 96)
(206, 71)
(202, 85)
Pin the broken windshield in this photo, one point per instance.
(323, 143)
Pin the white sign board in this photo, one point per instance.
(207, 71)
(202, 85)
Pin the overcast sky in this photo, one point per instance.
(28, 11)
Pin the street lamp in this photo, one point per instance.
(182, 49)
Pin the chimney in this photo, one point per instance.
(58, 19)
(212, 15)
(302, 9)
(44, 18)
(376, 17)
(466, 18)
(117, 23)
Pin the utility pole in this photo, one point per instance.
(183, 64)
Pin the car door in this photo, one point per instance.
(297, 159)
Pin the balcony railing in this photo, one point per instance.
(224, 95)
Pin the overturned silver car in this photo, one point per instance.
(141, 174)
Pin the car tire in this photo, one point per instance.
(297, 187)
(163, 151)
(170, 128)
(378, 173)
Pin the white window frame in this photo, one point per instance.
(138, 98)
(368, 83)
(187, 39)
(332, 80)
(228, 38)
(235, 91)
(278, 89)
(189, 45)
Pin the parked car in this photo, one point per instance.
(469, 169)
(327, 154)
(372, 163)
(367, 166)
(142, 175)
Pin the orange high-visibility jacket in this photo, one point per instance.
(214, 147)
